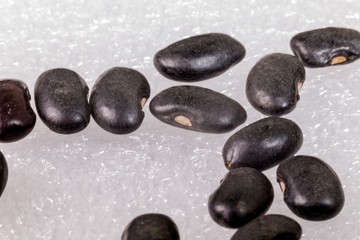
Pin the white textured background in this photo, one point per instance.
(91, 184)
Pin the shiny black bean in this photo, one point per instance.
(263, 144)
(151, 226)
(61, 101)
(326, 46)
(199, 57)
(311, 188)
(117, 99)
(17, 118)
(269, 227)
(3, 173)
(199, 109)
(243, 195)
(273, 84)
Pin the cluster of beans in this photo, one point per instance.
(272, 87)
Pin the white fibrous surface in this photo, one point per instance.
(90, 185)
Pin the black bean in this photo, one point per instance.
(311, 188)
(243, 195)
(274, 82)
(263, 144)
(326, 46)
(269, 227)
(117, 99)
(3, 173)
(17, 118)
(199, 109)
(199, 57)
(151, 226)
(61, 100)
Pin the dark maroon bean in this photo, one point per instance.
(199, 57)
(151, 226)
(311, 188)
(3, 173)
(269, 227)
(263, 144)
(326, 46)
(273, 84)
(61, 100)
(199, 109)
(243, 195)
(117, 99)
(17, 118)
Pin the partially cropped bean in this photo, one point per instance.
(17, 118)
(269, 227)
(151, 226)
(243, 195)
(326, 46)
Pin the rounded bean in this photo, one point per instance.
(117, 99)
(311, 188)
(61, 100)
(273, 84)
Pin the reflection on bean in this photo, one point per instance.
(263, 144)
(273, 84)
(243, 195)
(61, 100)
(269, 227)
(199, 109)
(326, 46)
(17, 118)
(117, 99)
(199, 57)
(311, 188)
(151, 226)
